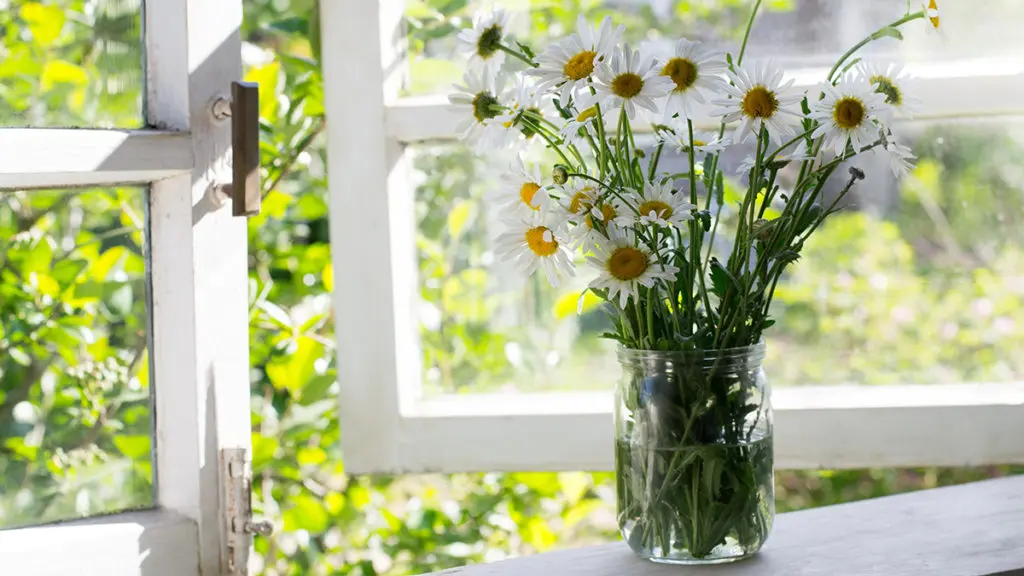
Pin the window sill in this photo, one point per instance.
(974, 529)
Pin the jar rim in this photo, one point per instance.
(734, 352)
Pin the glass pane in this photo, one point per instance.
(797, 33)
(75, 417)
(915, 282)
(71, 63)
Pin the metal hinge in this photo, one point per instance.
(239, 525)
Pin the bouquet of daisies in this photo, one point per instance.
(651, 233)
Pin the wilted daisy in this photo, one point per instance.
(623, 267)
(703, 142)
(482, 42)
(759, 99)
(598, 223)
(693, 71)
(537, 243)
(522, 191)
(629, 80)
(568, 65)
(899, 157)
(573, 131)
(657, 205)
(889, 80)
(524, 99)
(847, 115)
(479, 101)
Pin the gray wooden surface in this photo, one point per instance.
(973, 529)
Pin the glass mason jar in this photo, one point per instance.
(693, 454)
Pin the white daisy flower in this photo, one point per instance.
(580, 195)
(537, 243)
(569, 64)
(694, 71)
(573, 133)
(848, 114)
(931, 13)
(522, 191)
(599, 223)
(657, 205)
(479, 101)
(759, 99)
(899, 157)
(482, 42)
(630, 80)
(703, 142)
(524, 99)
(623, 267)
(889, 81)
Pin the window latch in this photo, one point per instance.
(243, 108)
(239, 524)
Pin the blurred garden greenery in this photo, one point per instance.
(918, 281)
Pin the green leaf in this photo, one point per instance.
(569, 303)
(888, 31)
(290, 25)
(19, 356)
(721, 279)
(135, 447)
(458, 217)
(328, 277)
(61, 72)
(317, 388)
(44, 22)
(267, 76)
(305, 513)
(293, 371)
(313, 32)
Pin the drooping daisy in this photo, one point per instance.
(522, 191)
(931, 14)
(537, 243)
(599, 223)
(579, 197)
(574, 130)
(524, 99)
(849, 114)
(703, 142)
(693, 71)
(899, 157)
(889, 81)
(479, 101)
(482, 43)
(630, 80)
(569, 64)
(624, 266)
(758, 98)
(657, 205)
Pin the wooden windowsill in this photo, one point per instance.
(974, 529)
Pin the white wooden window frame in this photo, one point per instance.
(390, 427)
(200, 352)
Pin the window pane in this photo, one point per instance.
(71, 63)
(915, 282)
(75, 422)
(797, 33)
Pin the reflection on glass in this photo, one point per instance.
(797, 33)
(916, 281)
(75, 420)
(71, 63)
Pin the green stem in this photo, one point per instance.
(746, 35)
(877, 34)
(517, 55)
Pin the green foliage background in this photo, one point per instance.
(921, 286)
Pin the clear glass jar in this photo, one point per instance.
(693, 454)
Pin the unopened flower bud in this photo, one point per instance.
(856, 173)
(560, 175)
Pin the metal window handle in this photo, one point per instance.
(261, 527)
(243, 108)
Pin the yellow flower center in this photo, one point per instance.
(682, 72)
(890, 90)
(627, 263)
(660, 209)
(527, 192)
(760, 102)
(541, 241)
(587, 114)
(933, 14)
(607, 213)
(627, 85)
(580, 66)
(699, 143)
(581, 201)
(848, 113)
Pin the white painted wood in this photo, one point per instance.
(34, 158)
(199, 271)
(372, 224)
(151, 543)
(968, 530)
(957, 89)
(830, 427)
